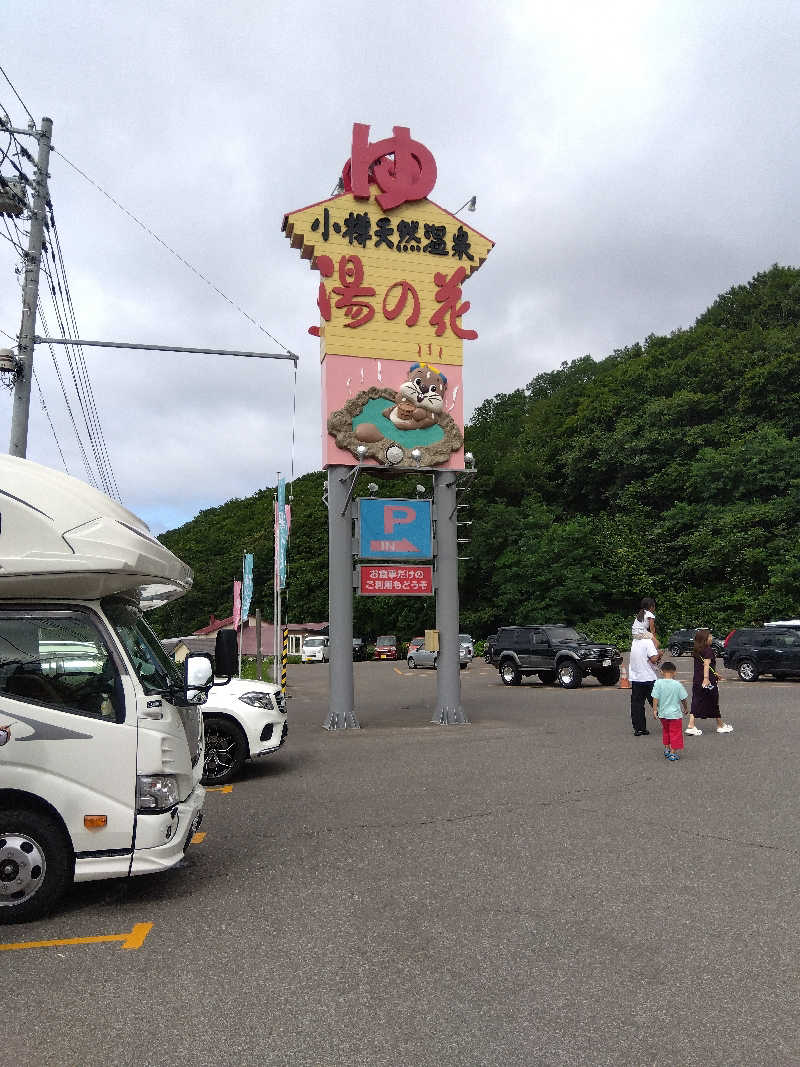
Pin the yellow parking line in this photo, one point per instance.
(199, 837)
(219, 788)
(133, 940)
(396, 670)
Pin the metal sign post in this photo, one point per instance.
(448, 676)
(341, 715)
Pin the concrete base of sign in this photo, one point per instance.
(450, 717)
(341, 720)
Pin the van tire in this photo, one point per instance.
(37, 832)
(227, 752)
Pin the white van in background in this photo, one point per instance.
(315, 650)
(102, 752)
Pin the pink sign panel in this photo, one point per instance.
(396, 581)
(405, 414)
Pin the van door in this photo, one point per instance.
(70, 703)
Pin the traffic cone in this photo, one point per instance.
(623, 678)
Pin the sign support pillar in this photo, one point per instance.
(449, 711)
(340, 602)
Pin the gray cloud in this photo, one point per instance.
(631, 161)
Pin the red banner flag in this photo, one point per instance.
(237, 604)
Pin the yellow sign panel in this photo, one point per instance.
(390, 282)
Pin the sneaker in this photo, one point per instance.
(694, 731)
(726, 728)
(673, 756)
(645, 731)
(666, 752)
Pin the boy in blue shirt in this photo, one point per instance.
(669, 706)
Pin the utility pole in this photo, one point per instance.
(18, 444)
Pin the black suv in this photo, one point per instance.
(766, 650)
(557, 654)
(681, 641)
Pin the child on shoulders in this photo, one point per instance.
(644, 622)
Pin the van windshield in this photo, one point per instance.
(314, 642)
(154, 669)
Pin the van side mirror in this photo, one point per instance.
(198, 675)
(226, 654)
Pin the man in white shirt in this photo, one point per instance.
(642, 675)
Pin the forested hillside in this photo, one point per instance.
(669, 469)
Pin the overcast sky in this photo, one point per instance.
(631, 160)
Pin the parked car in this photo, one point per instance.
(467, 644)
(418, 657)
(242, 720)
(556, 653)
(359, 651)
(763, 650)
(681, 642)
(315, 650)
(385, 647)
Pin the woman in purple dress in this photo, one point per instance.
(705, 688)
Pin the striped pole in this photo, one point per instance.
(284, 658)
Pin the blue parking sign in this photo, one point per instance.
(394, 529)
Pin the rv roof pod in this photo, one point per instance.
(61, 538)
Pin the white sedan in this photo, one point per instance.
(242, 720)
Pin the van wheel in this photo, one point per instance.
(36, 865)
(675, 651)
(411, 663)
(568, 674)
(226, 750)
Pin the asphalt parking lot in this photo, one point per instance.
(539, 887)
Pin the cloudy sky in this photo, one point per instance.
(631, 160)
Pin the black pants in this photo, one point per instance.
(640, 691)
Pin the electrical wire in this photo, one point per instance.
(98, 427)
(52, 427)
(14, 91)
(85, 458)
(78, 379)
(177, 255)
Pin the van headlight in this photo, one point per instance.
(257, 700)
(156, 792)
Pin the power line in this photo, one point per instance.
(52, 427)
(177, 255)
(14, 91)
(85, 371)
(85, 458)
(78, 380)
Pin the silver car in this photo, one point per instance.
(418, 657)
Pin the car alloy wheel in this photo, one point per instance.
(569, 675)
(748, 671)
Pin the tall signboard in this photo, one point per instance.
(392, 322)
(392, 315)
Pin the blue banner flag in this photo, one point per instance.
(282, 533)
(247, 584)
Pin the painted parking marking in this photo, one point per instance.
(219, 788)
(199, 837)
(396, 670)
(132, 940)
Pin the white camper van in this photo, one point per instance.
(101, 741)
